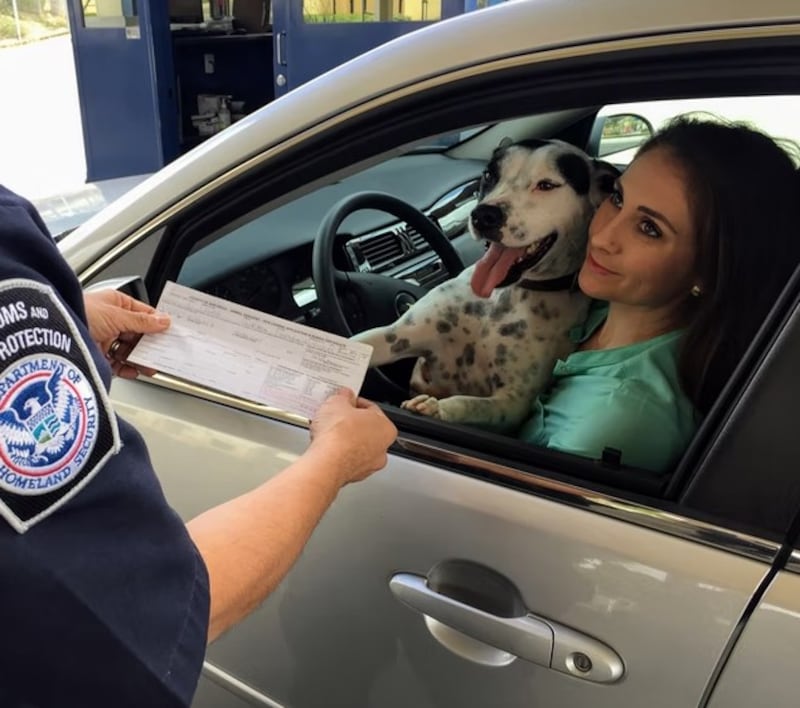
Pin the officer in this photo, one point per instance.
(106, 597)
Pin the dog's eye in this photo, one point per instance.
(545, 185)
(488, 181)
(615, 198)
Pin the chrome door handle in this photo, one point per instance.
(527, 636)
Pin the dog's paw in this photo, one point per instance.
(423, 404)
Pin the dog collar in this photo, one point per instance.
(565, 282)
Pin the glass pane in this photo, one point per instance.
(371, 10)
(774, 115)
(30, 20)
(622, 132)
(108, 13)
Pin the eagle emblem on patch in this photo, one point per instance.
(48, 424)
(56, 424)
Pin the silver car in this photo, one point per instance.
(476, 570)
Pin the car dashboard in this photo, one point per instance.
(266, 263)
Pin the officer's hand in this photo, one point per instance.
(116, 321)
(352, 434)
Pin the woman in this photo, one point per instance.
(685, 259)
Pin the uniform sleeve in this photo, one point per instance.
(629, 417)
(104, 599)
(29, 251)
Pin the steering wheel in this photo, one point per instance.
(375, 300)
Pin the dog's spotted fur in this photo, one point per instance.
(487, 340)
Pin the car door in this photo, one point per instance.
(761, 668)
(471, 571)
(743, 479)
(595, 577)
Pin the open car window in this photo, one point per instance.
(255, 246)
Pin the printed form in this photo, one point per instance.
(249, 354)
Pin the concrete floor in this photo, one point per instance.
(41, 143)
(41, 139)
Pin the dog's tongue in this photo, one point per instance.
(493, 268)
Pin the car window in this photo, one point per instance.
(259, 254)
(625, 126)
(263, 259)
(448, 140)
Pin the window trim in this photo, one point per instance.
(275, 172)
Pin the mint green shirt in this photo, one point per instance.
(628, 398)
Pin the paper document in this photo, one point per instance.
(247, 353)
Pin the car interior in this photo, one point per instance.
(255, 245)
(264, 261)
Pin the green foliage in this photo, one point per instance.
(32, 25)
(34, 7)
(7, 27)
(323, 18)
(618, 126)
(329, 17)
(30, 7)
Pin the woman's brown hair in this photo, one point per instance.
(745, 203)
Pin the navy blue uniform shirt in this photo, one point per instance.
(103, 596)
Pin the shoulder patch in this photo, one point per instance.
(57, 427)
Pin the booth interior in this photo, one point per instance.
(222, 57)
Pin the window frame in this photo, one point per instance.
(724, 68)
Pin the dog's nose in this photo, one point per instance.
(487, 217)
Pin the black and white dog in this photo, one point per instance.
(487, 340)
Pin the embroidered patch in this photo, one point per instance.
(56, 423)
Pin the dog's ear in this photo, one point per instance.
(604, 174)
(505, 143)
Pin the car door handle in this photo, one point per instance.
(528, 636)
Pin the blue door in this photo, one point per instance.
(124, 69)
(312, 36)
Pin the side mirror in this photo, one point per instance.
(132, 285)
(619, 136)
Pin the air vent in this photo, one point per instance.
(418, 243)
(381, 249)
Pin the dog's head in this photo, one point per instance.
(535, 203)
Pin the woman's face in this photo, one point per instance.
(642, 243)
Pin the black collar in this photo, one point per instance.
(565, 282)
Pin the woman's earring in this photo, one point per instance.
(696, 291)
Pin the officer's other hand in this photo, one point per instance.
(116, 322)
(353, 434)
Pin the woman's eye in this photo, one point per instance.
(545, 185)
(615, 198)
(650, 229)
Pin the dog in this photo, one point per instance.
(487, 340)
